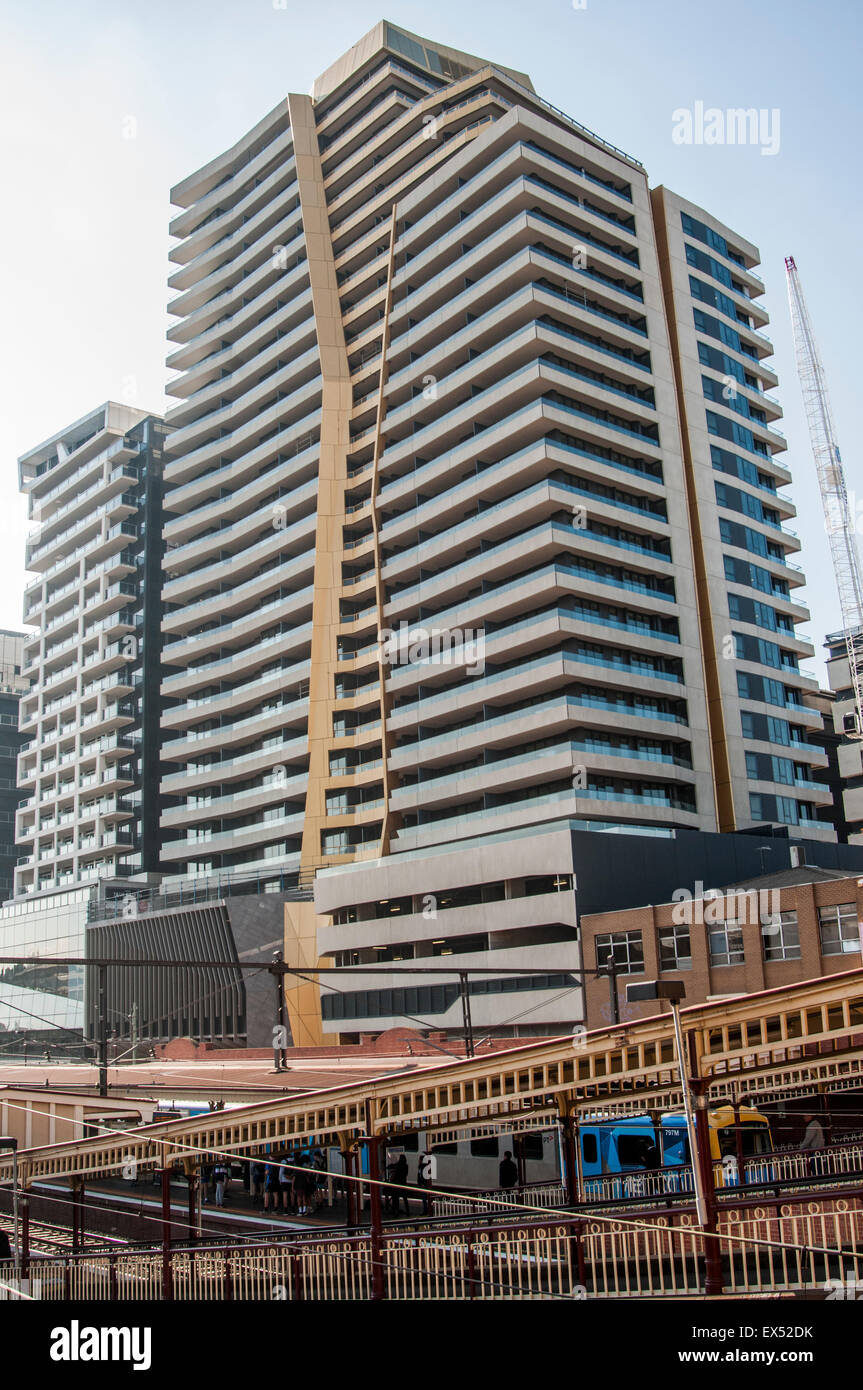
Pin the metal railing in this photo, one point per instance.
(190, 892)
(795, 1246)
(551, 1194)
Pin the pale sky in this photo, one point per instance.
(107, 103)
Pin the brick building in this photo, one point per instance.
(771, 930)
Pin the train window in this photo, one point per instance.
(444, 1148)
(727, 1141)
(632, 1149)
(531, 1146)
(588, 1148)
(484, 1148)
(409, 1142)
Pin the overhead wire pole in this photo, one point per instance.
(280, 1032)
(467, 1020)
(839, 521)
(103, 1030)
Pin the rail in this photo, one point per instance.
(791, 1246)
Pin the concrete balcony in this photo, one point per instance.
(256, 571)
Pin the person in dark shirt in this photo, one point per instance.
(508, 1171)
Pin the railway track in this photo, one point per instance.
(46, 1239)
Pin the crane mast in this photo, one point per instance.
(839, 521)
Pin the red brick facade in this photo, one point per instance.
(706, 979)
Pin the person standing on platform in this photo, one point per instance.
(508, 1171)
(220, 1173)
(286, 1185)
(399, 1181)
(814, 1136)
(271, 1186)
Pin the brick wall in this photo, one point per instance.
(704, 979)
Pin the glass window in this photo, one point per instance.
(725, 940)
(754, 1139)
(484, 1148)
(675, 952)
(778, 730)
(780, 937)
(628, 950)
(787, 810)
(839, 929)
(531, 1147)
(632, 1149)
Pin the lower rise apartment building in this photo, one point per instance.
(89, 768)
(88, 765)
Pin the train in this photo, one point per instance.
(637, 1146)
(623, 1156)
(474, 1163)
(606, 1148)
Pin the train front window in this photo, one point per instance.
(754, 1139)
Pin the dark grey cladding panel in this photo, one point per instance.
(619, 871)
(206, 1003)
(212, 1004)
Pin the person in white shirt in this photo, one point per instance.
(814, 1136)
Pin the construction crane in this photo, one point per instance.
(839, 520)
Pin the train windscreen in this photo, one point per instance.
(754, 1139)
